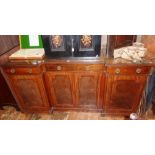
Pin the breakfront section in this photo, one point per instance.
(124, 88)
(27, 87)
(75, 86)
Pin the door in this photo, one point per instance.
(61, 89)
(30, 92)
(123, 93)
(88, 90)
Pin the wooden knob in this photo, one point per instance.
(59, 68)
(117, 71)
(138, 70)
(12, 70)
(30, 71)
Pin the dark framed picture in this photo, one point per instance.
(86, 43)
(57, 42)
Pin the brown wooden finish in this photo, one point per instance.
(90, 67)
(88, 89)
(60, 88)
(74, 86)
(30, 92)
(124, 88)
(5, 57)
(110, 88)
(28, 89)
(60, 67)
(8, 42)
(128, 70)
(22, 70)
(75, 67)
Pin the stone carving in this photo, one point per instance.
(135, 52)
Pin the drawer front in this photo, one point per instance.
(60, 67)
(75, 67)
(22, 70)
(90, 67)
(129, 70)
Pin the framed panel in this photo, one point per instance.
(86, 43)
(57, 43)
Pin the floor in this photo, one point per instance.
(10, 113)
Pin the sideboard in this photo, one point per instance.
(103, 85)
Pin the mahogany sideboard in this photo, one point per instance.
(82, 85)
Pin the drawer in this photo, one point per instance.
(90, 67)
(61, 67)
(22, 70)
(128, 70)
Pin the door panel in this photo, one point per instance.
(88, 89)
(124, 92)
(60, 88)
(30, 92)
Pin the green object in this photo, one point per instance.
(24, 42)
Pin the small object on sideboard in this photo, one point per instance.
(131, 52)
(28, 54)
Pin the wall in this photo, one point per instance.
(7, 42)
(139, 38)
(25, 42)
(104, 43)
(149, 43)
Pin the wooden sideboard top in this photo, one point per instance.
(105, 61)
(76, 60)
